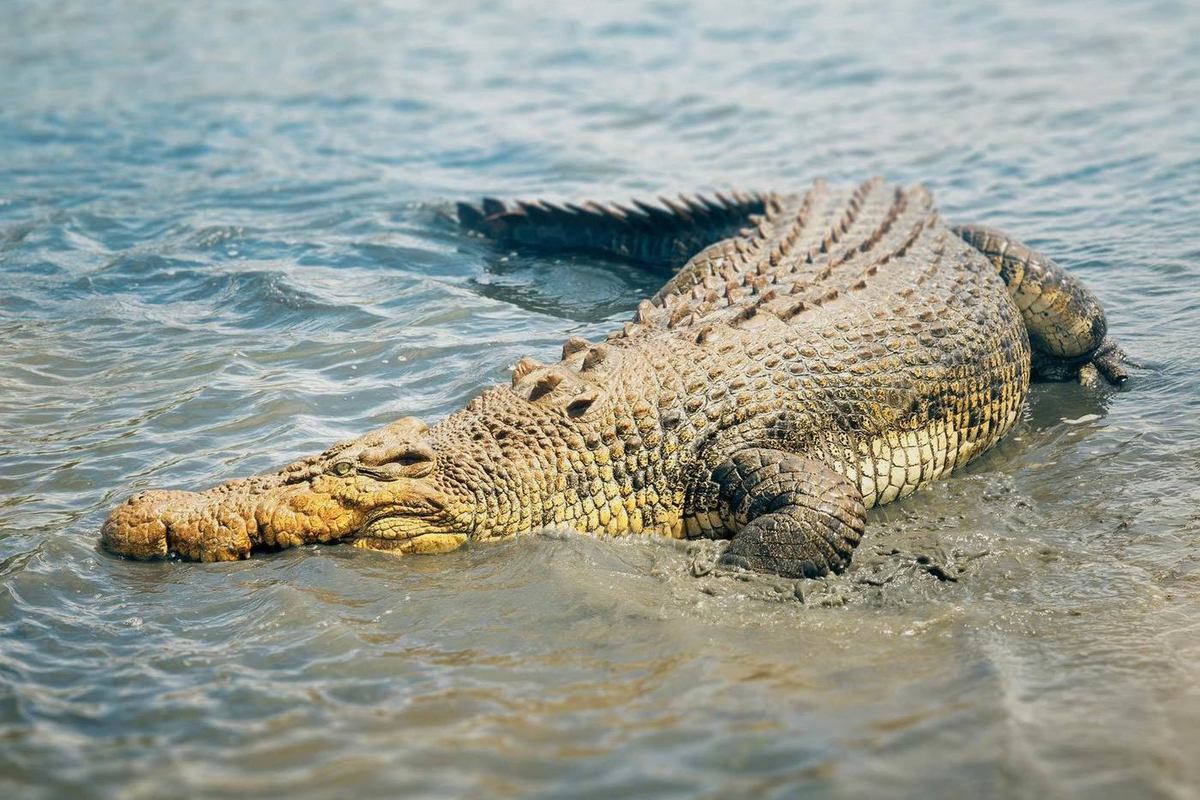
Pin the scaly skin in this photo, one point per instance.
(843, 350)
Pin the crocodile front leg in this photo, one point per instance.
(792, 516)
(1065, 321)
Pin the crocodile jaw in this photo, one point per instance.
(289, 509)
(380, 490)
(228, 522)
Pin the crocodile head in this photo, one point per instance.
(379, 491)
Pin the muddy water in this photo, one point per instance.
(221, 247)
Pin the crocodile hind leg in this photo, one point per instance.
(1065, 321)
(793, 516)
(664, 233)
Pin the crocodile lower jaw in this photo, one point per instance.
(427, 543)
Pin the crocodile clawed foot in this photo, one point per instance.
(1108, 362)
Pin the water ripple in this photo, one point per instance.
(224, 244)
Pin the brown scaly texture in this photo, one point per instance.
(841, 350)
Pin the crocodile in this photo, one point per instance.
(813, 355)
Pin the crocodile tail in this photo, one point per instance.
(666, 232)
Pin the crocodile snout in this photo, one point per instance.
(156, 523)
(378, 487)
(139, 528)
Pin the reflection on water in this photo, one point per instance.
(223, 245)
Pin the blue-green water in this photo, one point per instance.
(222, 246)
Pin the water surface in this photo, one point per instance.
(223, 245)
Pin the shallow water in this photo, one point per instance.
(223, 245)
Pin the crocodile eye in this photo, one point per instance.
(341, 468)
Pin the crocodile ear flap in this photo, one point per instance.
(402, 455)
(418, 457)
(408, 459)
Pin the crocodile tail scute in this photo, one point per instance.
(665, 232)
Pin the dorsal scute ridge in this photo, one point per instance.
(798, 253)
(838, 234)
